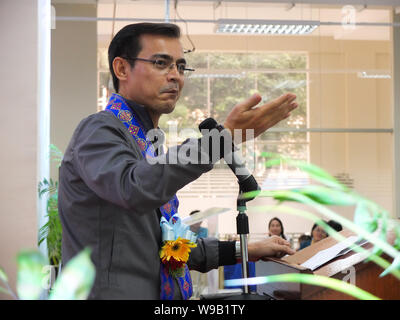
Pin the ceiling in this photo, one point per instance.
(334, 2)
(202, 15)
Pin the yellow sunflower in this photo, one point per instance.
(178, 250)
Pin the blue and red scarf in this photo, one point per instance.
(118, 106)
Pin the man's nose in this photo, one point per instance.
(173, 74)
(173, 69)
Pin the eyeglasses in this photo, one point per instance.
(166, 65)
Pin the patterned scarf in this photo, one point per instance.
(118, 106)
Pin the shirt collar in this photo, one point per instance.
(144, 117)
(142, 113)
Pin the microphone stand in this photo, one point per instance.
(242, 228)
(247, 183)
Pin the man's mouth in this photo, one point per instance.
(172, 90)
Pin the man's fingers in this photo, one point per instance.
(284, 249)
(250, 102)
(293, 106)
(280, 240)
(245, 116)
(269, 120)
(290, 251)
(279, 251)
(284, 101)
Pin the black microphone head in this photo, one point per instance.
(249, 184)
(209, 124)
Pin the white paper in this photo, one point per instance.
(200, 216)
(326, 255)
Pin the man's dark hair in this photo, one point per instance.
(126, 43)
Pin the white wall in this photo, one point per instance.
(73, 96)
(73, 73)
(18, 130)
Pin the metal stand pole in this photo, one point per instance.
(242, 227)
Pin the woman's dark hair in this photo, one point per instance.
(126, 43)
(313, 227)
(335, 225)
(280, 222)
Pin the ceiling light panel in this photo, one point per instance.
(269, 27)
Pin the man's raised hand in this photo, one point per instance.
(247, 115)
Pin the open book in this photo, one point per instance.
(337, 250)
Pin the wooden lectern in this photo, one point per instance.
(366, 274)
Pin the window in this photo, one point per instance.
(341, 73)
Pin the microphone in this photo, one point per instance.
(246, 180)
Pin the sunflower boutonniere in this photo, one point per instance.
(177, 243)
(174, 255)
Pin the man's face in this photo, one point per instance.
(157, 89)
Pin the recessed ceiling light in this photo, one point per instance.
(269, 27)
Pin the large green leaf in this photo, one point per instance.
(30, 275)
(3, 275)
(76, 279)
(327, 196)
(397, 240)
(394, 266)
(364, 219)
(376, 250)
(280, 195)
(312, 194)
(4, 279)
(382, 234)
(311, 279)
(3, 290)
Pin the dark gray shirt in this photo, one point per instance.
(109, 197)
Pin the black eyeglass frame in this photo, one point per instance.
(153, 61)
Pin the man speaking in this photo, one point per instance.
(124, 207)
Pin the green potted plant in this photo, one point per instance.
(75, 282)
(52, 230)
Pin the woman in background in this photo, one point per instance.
(317, 234)
(275, 227)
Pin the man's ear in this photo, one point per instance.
(120, 67)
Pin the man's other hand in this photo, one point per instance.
(270, 247)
